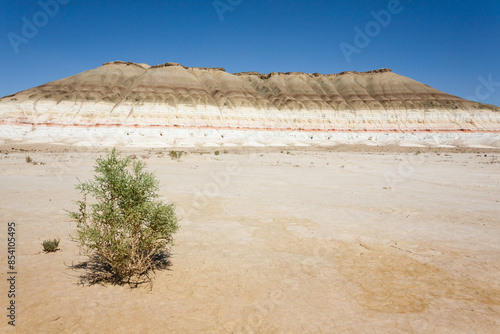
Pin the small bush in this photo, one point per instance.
(175, 154)
(216, 152)
(28, 159)
(50, 246)
(125, 227)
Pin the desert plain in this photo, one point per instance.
(347, 239)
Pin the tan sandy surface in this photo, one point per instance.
(270, 242)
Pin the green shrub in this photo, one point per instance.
(50, 245)
(216, 152)
(28, 159)
(125, 226)
(175, 154)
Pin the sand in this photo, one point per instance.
(299, 241)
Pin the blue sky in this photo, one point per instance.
(451, 45)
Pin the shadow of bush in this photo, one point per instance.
(97, 271)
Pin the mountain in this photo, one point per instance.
(130, 95)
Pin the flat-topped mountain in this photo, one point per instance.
(125, 94)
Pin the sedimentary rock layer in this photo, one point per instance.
(121, 94)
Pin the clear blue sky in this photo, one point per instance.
(451, 45)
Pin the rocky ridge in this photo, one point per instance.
(126, 94)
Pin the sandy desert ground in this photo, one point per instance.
(319, 241)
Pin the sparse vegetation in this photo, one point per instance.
(216, 152)
(33, 162)
(50, 246)
(175, 154)
(125, 227)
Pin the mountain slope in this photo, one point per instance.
(171, 94)
(171, 97)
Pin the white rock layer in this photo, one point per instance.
(172, 105)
